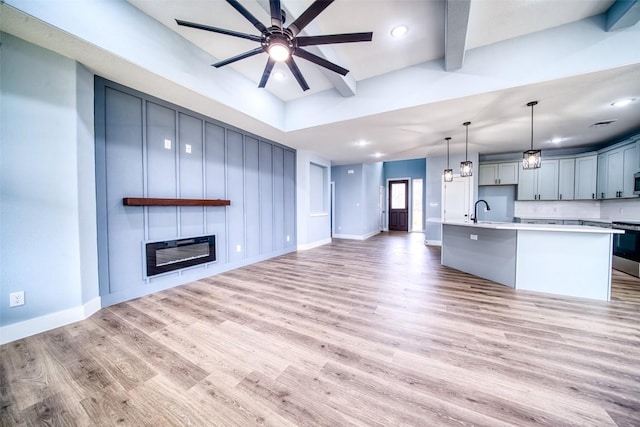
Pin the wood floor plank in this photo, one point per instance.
(362, 333)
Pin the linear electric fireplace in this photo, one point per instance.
(170, 255)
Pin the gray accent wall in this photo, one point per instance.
(146, 147)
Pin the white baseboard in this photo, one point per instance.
(312, 245)
(356, 236)
(47, 322)
(433, 242)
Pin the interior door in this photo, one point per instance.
(457, 197)
(399, 205)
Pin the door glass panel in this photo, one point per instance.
(398, 195)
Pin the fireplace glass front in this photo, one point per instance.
(170, 255)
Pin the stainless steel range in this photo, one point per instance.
(626, 247)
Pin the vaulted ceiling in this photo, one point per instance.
(478, 61)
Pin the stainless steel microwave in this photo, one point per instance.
(636, 183)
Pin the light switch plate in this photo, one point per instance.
(473, 236)
(167, 144)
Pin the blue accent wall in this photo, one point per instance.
(414, 169)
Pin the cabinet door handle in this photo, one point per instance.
(593, 195)
(499, 180)
(561, 197)
(602, 195)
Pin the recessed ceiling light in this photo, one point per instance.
(377, 155)
(623, 102)
(278, 75)
(556, 140)
(399, 31)
(362, 143)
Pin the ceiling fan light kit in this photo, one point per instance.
(282, 43)
(531, 159)
(466, 167)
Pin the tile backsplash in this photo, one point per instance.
(628, 209)
(625, 209)
(561, 209)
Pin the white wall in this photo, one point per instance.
(48, 243)
(313, 228)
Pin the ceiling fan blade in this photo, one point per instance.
(276, 13)
(320, 61)
(297, 74)
(334, 38)
(308, 15)
(244, 12)
(267, 72)
(219, 30)
(239, 57)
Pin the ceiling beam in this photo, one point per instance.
(622, 14)
(345, 85)
(455, 33)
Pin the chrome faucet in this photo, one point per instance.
(475, 210)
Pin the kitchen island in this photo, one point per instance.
(570, 260)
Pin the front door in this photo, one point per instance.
(399, 205)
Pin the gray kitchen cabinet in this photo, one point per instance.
(498, 173)
(586, 169)
(615, 171)
(566, 179)
(539, 184)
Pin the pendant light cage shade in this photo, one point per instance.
(448, 172)
(448, 175)
(532, 159)
(466, 167)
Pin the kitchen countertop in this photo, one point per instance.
(536, 227)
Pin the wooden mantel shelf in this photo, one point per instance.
(149, 201)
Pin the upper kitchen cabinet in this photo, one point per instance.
(539, 184)
(566, 179)
(615, 171)
(586, 169)
(498, 173)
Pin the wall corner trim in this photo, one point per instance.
(48, 322)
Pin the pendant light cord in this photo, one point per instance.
(466, 145)
(532, 104)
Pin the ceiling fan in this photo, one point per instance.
(282, 43)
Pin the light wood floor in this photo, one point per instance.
(372, 333)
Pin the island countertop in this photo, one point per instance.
(536, 227)
(571, 260)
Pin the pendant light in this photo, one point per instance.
(448, 172)
(466, 167)
(531, 158)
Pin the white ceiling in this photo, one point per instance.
(395, 112)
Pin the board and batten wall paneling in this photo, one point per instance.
(289, 198)
(123, 152)
(266, 197)
(252, 196)
(216, 187)
(152, 148)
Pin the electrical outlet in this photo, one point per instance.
(238, 248)
(288, 237)
(16, 299)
